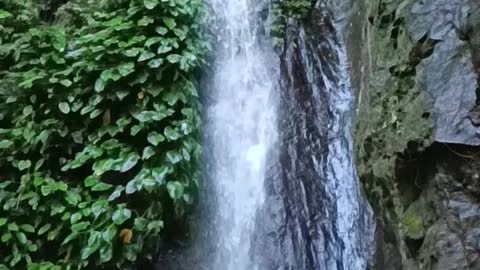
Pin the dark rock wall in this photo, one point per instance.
(422, 181)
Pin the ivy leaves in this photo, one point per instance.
(150, 4)
(5, 14)
(104, 110)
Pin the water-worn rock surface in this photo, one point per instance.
(315, 216)
(418, 70)
(449, 74)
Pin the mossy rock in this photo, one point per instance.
(418, 217)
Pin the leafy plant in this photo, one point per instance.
(99, 119)
(287, 9)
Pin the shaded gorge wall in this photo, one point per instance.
(417, 129)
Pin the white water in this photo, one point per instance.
(241, 127)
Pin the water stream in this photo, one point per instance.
(241, 121)
(283, 192)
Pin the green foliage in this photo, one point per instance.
(418, 217)
(392, 121)
(99, 118)
(287, 9)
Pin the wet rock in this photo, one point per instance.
(315, 216)
(452, 242)
(449, 74)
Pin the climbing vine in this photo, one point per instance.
(99, 119)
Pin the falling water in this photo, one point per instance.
(241, 127)
(282, 191)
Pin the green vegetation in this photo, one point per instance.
(393, 126)
(285, 10)
(99, 116)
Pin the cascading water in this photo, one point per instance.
(281, 191)
(241, 127)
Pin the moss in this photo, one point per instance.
(392, 124)
(418, 218)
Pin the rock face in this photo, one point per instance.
(449, 74)
(451, 190)
(422, 182)
(315, 216)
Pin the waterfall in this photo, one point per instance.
(241, 127)
(282, 189)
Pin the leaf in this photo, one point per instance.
(3, 221)
(11, 100)
(75, 218)
(28, 228)
(87, 109)
(155, 225)
(116, 194)
(161, 30)
(101, 187)
(44, 229)
(52, 235)
(163, 49)
(66, 82)
(59, 41)
(129, 161)
(4, 14)
(106, 75)
(27, 110)
(32, 248)
(145, 56)
(121, 94)
(99, 207)
(104, 165)
(64, 107)
(6, 237)
(90, 181)
(111, 144)
(148, 152)
(169, 22)
(160, 173)
(173, 157)
(150, 4)
(121, 215)
(99, 85)
(155, 138)
(135, 130)
(155, 63)
(126, 68)
(174, 58)
(72, 198)
(80, 226)
(22, 238)
(132, 52)
(106, 253)
(24, 164)
(175, 190)
(126, 236)
(5, 144)
(145, 21)
(171, 133)
(70, 237)
(123, 122)
(107, 118)
(140, 224)
(95, 113)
